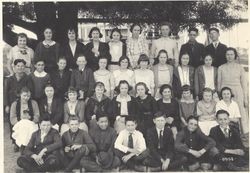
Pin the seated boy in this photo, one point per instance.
(160, 142)
(232, 154)
(130, 146)
(42, 152)
(192, 143)
(76, 144)
(104, 138)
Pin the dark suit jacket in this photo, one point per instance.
(196, 53)
(92, 59)
(56, 110)
(222, 143)
(67, 53)
(52, 141)
(218, 54)
(152, 141)
(199, 80)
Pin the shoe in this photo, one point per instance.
(154, 169)
(16, 148)
(194, 166)
(140, 168)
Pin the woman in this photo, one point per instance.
(52, 106)
(146, 107)
(95, 49)
(24, 116)
(21, 51)
(205, 77)
(122, 105)
(183, 75)
(105, 76)
(163, 72)
(116, 49)
(232, 75)
(72, 49)
(48, 50)
(170, 107)
(136, 45)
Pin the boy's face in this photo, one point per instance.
(223, 120)
(40, 66)
(192, 35)
(165, 30)
(214, 35)
(131, 126)
(99, 91)
(103, 123)
(61, 64)
(160, 122)
(207, 96)
(45, 126)
(49, 91)
(192, 125)
(19, 68)
(81, 61)
(74, 125)
(72, 96)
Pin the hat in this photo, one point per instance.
(105, 159)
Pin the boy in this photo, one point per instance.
(130, 146)
(83, 78)
(104, 138)
(76, 144)
(232, 154)
(160, 142)
(193, 144)
(41, 154)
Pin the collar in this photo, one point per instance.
(192, 42)
(103, 97)
(71, 133)
(222, 129)
(49, 44)
(118, 98)
(130, 132)
(42, 74)
(81, 69)
(158, 130)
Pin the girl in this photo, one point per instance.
(187, 104)
(122, 105)
(163, 72)
(105, 76)
(98, 103)
(136, 45)
(47, 50)
(24, 116)
(21, 51)
(205, 77)
(39, 78)
(52, 106)
(95, 49)
(116, 49)
(170, 107)
(146, 108)
(73, 107)
(232, 75)
(145, 75)
(206, 111)
(60, 78)
(183, 75)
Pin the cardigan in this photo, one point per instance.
(199, 80)
(218, 54)
(79, 111)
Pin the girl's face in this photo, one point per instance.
(48, 34)
(62, 64)
(166, 94)
(116, 36)
(25, 96)
(99, 91)
(185, 59)
(19, 68)
(207, 97)
(40, 66)
(141, 91)
(72, 96)
(95, 35)
(21, 42)
(124, 89)
(136, 31)
(81, 61)
(103, 63)
(208, 60)
(226, 95)
(49, 92)
(230, 56)
(165, 30)
(124, 64)
(72, 35)
(163, 58)
(143, 64)
(186, 94)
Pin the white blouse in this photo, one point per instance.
(146, 76)
(115, 50)
(209, 77)
(232, 109)
(184, 76)
(127, 75)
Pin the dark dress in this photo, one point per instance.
(219, 54)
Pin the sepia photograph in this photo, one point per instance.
(125, 86)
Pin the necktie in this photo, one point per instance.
(215, 45)
(160, 140)
(226, 133)
(130, 141)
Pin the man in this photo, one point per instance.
(216, 49)
(42, 152)
(194, 49)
